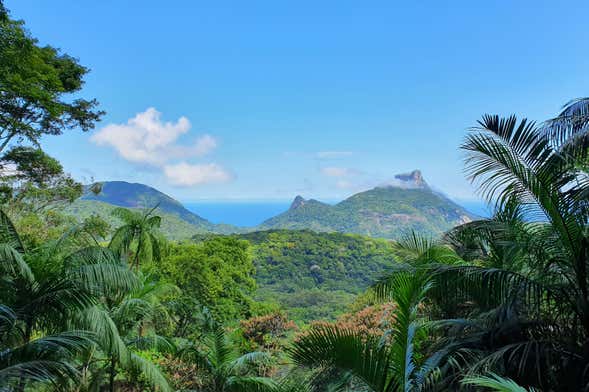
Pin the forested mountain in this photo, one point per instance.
(315, 275)
(177, 221)
(387, 211)
(134, 195)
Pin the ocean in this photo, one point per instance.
(238, 213)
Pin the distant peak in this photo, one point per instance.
(415, 177)
(412, 180)
(297, 202)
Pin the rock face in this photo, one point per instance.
(413, 179)
(297, 202)
(387, 211)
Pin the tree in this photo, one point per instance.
(224, 369)
(129, 323)
(36, 88)
(34, 181)
(383, 365)
(218, 272)
(43, 359)
(42, 292)
(521, 305)
(138, 234)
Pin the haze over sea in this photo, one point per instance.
(254, 212)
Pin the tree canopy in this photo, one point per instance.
(39, 88)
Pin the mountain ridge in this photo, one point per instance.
(385, 211)
(141, 196)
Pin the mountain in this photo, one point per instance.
(177, 221)
(387, 211)
(134, 195)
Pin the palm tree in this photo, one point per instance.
(51, 312)
(524, 296)
(224, 369)
(37, 340)
(138, 234)
(126, 323)
(48, 358)
(388, 363)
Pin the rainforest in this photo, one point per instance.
(113, 285)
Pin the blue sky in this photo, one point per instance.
(266, 100)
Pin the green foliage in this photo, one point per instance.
(218, 272)
(138, 235)
(224, 369)
(32, 182)
(316, 275)
(382, 365)
(36, 88)
(51, 312)
(495, 383)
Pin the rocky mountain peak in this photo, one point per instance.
(297, 202)
(412, 180)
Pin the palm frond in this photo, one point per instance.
(495, 383)
(250, 384)
(8, 233)
(572, 120)
(149, 372)
(106, 333)
(152, 342)
(13, 264)
(44, 359)
(100, 270)
(363, 356)
(247, 361)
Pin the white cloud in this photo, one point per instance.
(333, 154)
(145, 138)
(205, 144)
(337, 171)
(185, 174)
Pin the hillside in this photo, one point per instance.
(172, 226)
(177, 221)
(387, 211)
(315, 275)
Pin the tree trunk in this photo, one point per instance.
(112, 374)
(27, 338)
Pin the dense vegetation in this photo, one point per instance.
(316, 275)
(499, 303)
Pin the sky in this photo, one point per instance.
(270, 99)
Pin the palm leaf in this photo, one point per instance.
(8, 233)
(13, 264)
(250, 384)
(328, 347)
(149, 372)
(495, 383)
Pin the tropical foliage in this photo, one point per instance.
(95, 305)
